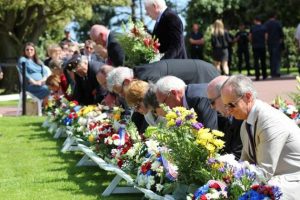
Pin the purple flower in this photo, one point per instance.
(221, 169)
(190, 116)
(197, 125)
(211, 161)
(178, 122)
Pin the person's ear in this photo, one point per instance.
(126, 82)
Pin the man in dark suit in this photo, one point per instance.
(168, 29)
(226, 123)
(173, 92)
(87, 91)
(190, 71)
(101, 35)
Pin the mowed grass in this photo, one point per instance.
(33, 168)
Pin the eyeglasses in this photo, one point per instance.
(213, 100)
(233, 104)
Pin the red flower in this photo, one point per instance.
(203, 197)
(120, 163)
(147, 42)
(145, 167)
(135, 31)
(215, 186)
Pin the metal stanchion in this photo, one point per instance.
(23, 88)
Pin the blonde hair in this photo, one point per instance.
(53, 80)
(135, 92)
(218, 27)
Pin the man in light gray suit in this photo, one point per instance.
(270, 139)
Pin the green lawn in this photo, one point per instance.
(13, 103)
(32, 166)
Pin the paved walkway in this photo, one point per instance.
(267, 91)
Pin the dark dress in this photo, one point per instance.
(220, 45)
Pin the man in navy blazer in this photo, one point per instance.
(173, 92)
(168, 29)
(101, 35)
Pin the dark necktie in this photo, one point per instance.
(251, 140)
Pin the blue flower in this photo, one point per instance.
(200, 191)
(197, 125)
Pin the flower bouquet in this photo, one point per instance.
(212, 190)
(139, 46)
(191, 145)
(287, 108)
(156, 173)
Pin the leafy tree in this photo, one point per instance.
(28, 20)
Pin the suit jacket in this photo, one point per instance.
(277, 147)
(231, 129)
(190, 71)
(87, 91)
(196, 98)
(169, 31)
(115, 52)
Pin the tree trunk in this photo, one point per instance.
(9, 53)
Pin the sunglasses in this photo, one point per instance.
(213, 100)
(233, 104)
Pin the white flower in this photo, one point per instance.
(152, 146)
(108, 141)
(150, 182)
(131, 152)
(82, 121)
(159, 187)
(155, 165)
(142, 180)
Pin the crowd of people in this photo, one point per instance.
(254, 131)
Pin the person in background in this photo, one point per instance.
(1, 73)
(168, 29)
(270, 139)
(89, 51)
(275, 43)
(36, 73)
(197, 42)
(220, 40)
(54, 52)
(67, 39)
(226, 123)
(257, 37)
(103, 36)
(242, 39)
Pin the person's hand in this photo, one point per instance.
(109, 100)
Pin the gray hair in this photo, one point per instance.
(150, 100)
(240, 84)
(117, 76)
(160, 3)
(165, 84)
(83, 59)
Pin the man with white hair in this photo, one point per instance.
(270, 139)
(173, 92)
(226, 123)
(103, 36)
(168, 29)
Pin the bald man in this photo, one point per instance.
(103, 36)
(226, 123)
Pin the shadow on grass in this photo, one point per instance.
(91, 180)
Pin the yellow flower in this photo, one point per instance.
(217, 133)
(117, 116)
(219, 143)
(205, 134)
(171, 116)
(171, 123)
(210, 147)
(201, 142)
(91, 138)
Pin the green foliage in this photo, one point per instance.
(32, 166)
